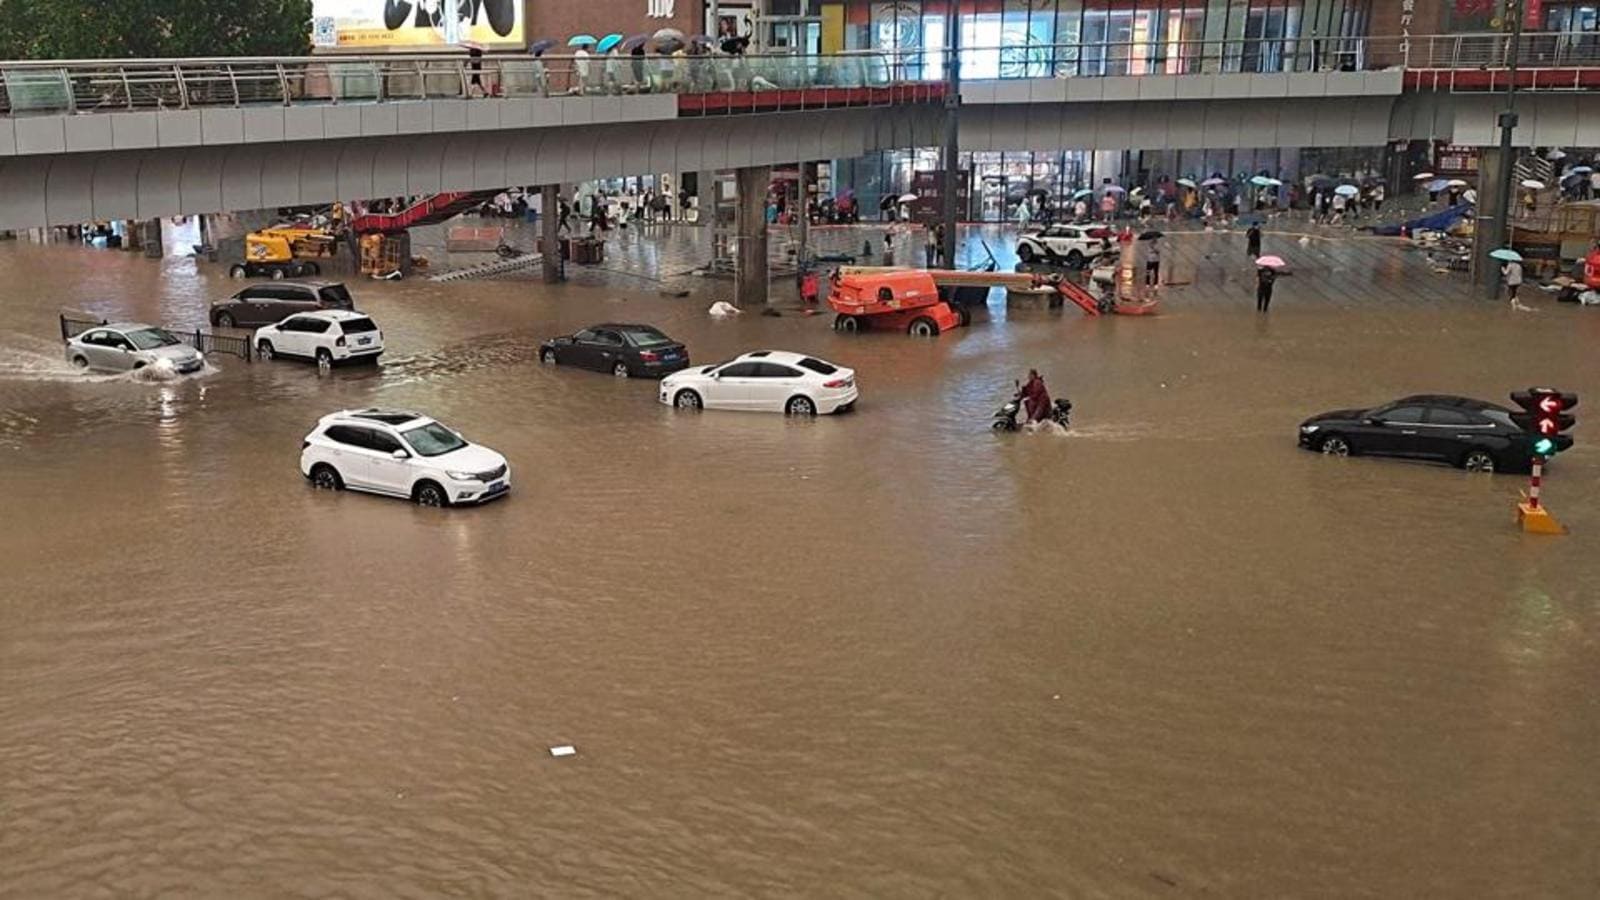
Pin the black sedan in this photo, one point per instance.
(623, 350)
(1473, 434)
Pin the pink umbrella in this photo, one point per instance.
(1270, 262)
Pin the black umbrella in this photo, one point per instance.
(540, 46)
(1151, 236)
(635, 42)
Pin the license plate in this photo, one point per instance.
(363, 340)
(496, 487)
(669, 357)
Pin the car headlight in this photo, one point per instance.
(1308, 429)
(462, 476)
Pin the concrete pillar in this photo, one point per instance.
(805, 213)
(153, 245)
(750, 225)
(550, 232)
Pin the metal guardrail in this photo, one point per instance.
(204, 341)
(89, 86)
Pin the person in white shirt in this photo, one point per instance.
(1513, 276)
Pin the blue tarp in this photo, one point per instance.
(1434, 221)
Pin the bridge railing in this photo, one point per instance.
(89, 86)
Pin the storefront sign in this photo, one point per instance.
(417, 25)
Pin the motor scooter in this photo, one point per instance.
(1005, 418)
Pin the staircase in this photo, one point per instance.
(490, 269)
(428, 211)
(1536, 168)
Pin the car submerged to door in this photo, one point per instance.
(126, 346)
(264, 304)
(626, 351)
(765, 381)
(328, 337)
(401, 454)
(1473, 434)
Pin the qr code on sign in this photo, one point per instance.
(323, 33)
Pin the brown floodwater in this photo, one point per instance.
(883, 654)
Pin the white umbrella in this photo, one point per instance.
(908, 198)
(1455, 182)
(1187, 182)
(1425, 176)
(1532, 185)
(1469, 195)
(1347, 190)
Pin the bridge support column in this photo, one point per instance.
(550, 232)
(750, 226)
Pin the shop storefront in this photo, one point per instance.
(1058, 38)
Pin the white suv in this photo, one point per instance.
(402, 454)
(327, 336)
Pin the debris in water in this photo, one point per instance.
(722, 309)
(564, 750)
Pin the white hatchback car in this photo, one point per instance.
(766, 380)
(327, 336)
(1075, 245)
(402, 454)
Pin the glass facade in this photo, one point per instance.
(1061, 38)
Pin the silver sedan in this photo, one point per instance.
(126, 345)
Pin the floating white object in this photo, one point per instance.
(564, 750)
(722, 309)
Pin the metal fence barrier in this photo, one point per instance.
(204, 341)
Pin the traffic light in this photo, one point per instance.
(1545, 414)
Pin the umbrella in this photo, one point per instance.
(1270, 262)
(705, 39)
(1214, 181)
(635, 42)
(1582, 170)
(608, 42)
(1322, 179)
(1261, 181)
(1042, 192)
(1532, 185)
(908, 198)
(1187, 182)
(1115, 189)
(669, 34)
(1556, 154)
(1437, 185)
(1470, 195)
(1151, 236)
(582, 40)
(1457, 182)
(1081, 193)
(1506, 254)
(540, 46)
(1423, 176)
(1347, 190)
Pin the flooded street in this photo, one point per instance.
(879, 654)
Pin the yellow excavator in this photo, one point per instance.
(285, 251)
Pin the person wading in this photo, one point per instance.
(1265, 277)
(1252, 240)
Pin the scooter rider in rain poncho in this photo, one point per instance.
(1035, 398)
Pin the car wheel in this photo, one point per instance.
(848, 324)
(277, 274)
(964, 316)
(430, 494)
(1334, 445)
(264, 350)
(1478, 461)
(80, 363)
(547, 356)
(620, 370)
(687, 399)
(1025, 253)
(238, 272)
(325, 477)
(922, 326)
(313, 269)
(800, 405)
(324, 358)
(225, 320)
(1075, 259)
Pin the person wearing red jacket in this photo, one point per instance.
(1035, 398)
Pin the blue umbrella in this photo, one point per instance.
(582, 40)
(1437, 185)
(540, 46)
(607, 42)
(1085, 192)
(1505, 254)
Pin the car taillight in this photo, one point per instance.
(837, 383)
(339, 342)
(648, 355)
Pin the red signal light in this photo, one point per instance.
(1549, 426)
(1550, 403)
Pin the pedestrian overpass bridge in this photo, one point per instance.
(95, 140)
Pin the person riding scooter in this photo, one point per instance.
(1035, 398)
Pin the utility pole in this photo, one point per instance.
(952, 115)
(1500, 231)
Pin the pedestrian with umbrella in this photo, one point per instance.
(1266, 276)
(1252, 239)
(1510, 273)
(1152, 257)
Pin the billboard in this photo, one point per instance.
(416, 25)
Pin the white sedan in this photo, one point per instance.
(1074, 245)
(766, 381)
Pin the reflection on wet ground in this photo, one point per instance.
(887, 653)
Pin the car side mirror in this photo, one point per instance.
(714, 375)
(1373, 420)
(397, 453)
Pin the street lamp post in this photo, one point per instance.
(952, 116)
(1500, 230)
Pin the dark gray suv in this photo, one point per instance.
(266, 304)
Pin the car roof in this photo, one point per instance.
(782, 356)
(122, 326)
(309, 285)
(332, 315)
(378, 415)
(1449, 400)
(622, 326)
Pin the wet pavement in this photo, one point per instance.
(882, 654)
